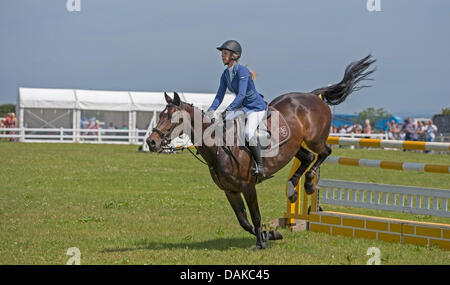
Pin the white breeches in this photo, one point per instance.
(253, 120)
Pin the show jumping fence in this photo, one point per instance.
(404, 199)
(379, 143)
(393, 165)
(426, 201)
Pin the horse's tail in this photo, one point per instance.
(354, 73)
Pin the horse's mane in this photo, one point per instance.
(193, 107)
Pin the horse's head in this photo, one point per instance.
(169, 120)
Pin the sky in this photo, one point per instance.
(293, 46)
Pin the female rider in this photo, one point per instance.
(239, 80)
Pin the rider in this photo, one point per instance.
(239, 80)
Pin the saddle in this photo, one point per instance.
(273, 130)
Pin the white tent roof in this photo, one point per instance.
(109, 100)
(46, 98)
(103, 100)
(148, 101)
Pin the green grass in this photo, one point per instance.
(119, 206)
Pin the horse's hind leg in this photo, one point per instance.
(306, 158)
(309, 176)
(238, 206)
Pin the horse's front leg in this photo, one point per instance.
(238, 206)
(252, 203)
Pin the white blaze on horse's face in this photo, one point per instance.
(173, 122)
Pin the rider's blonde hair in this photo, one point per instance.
(235, 57)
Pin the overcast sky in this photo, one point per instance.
(170, 45)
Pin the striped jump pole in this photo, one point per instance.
(410, 145)
(393, 165)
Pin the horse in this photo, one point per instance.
(308, 116)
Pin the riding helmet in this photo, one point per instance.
(231, 45)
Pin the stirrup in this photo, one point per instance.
(255, 171)
(259, 176)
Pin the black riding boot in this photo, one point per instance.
(259, 170)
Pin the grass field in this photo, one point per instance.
(119, 206)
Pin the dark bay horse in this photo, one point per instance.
(309, 119)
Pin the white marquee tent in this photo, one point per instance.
(39, 108)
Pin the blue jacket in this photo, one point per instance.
(243, 86)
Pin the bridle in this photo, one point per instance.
(165, 137)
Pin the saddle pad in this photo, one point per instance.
(284, 131)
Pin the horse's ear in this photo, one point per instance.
(176, 99)
(168, 99)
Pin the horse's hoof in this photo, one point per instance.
(291, 193)
(293, 198)
(311, 188)
(275, 235)
(265, 235)
(260, 246)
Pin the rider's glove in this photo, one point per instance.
(210, 115)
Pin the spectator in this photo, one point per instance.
(91, 125)
(348, 129)
(409, 130)
(334, 129)
(342, 130)
(391, 129)
(84, 123)
(395, 129)
(421, 131)
(358, 128)
(12, 125)
(2, 126)
(367, 127)
(8, 120)
(7, 123)
(431, 131)
(388, 130)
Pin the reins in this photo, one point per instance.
(196, 156)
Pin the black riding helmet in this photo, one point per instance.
(231, 45)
